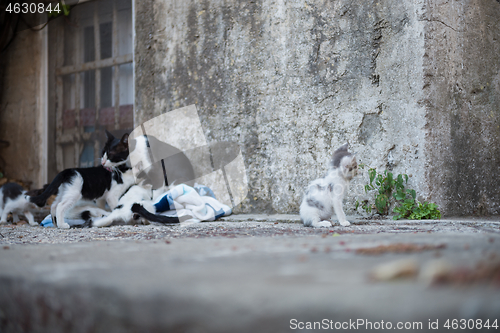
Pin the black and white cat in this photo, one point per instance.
(134, 204)
(13, 200)
(324, 196)
(105, 183)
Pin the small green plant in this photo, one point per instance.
(414, 210)
(59, 8)
(393, 190)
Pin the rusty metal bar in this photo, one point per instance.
(108, 62)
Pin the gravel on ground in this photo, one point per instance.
(236, 226)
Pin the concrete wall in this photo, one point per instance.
(291, 81)
(462, 89)
(413, 86)
(20, 108)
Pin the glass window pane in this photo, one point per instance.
(106, 40)
(126, 82)
(88, 44)
(107, 87)
(70, 31)
(87, 105)
(88, 90)
(87, 155)
(124, 24)
(115, 94)
(68, 105)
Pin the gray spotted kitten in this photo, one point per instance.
(324, 196)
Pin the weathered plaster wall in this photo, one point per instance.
(19, 107)
(462, 87)
(292, 80)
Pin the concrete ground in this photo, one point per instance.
(251, 273)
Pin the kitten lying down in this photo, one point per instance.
(134, 204)
(323, 196)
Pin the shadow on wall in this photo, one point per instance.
(177, 151)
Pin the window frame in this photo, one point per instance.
(78, 137)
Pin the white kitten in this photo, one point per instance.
(324, 196)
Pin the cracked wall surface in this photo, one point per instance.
(462, 89)
(291, 81)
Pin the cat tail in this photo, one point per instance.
(49, 190)
(139, 209)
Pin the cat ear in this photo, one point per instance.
(124, 139)
(343, 148)
(109, 136)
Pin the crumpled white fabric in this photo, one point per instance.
(183, 200)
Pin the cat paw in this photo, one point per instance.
(322, 224)
(345, 223)
(63, 225)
